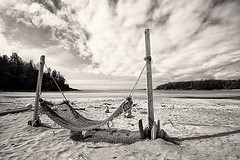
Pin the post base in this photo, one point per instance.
(35, 123)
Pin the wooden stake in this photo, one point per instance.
(158, 128)
(36, 120)
(140, 125)
(154, 131)
(149, 79)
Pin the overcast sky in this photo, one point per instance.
(99, 44)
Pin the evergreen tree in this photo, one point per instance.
(202, 85)
(16, 74)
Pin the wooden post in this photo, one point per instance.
(154, 131)
(149, 79)
(158, 128)
(140, 125)
(36, 120)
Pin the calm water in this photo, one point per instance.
(125, 93)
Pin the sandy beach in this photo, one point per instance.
(162, 77)
(204, 129)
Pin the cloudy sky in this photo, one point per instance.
(99, 44)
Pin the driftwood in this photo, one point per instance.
(16, 110)
(82, 109)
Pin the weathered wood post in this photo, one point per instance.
(158, 128)
(154, 131)
(36, 120)
(149, 79)
(140, 125)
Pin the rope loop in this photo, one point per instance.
(148, 59)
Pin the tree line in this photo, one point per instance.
(201, 85)
(19, 75)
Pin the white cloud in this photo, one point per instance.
(179, 46)
(189, 40)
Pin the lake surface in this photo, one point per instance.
(125, 93)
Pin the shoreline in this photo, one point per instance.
(229, 97)
(188, 94)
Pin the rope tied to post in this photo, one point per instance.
(134, 86)
(148, 59)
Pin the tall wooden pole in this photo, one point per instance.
(149, 79)
(36, 120)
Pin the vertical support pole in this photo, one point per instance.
(140, 125)
(149, 79)
(154, 131)
(158, 128)
(36, 120)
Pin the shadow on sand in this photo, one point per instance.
(104, 135)
(222, 134)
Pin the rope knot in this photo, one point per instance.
(127, 104)
(148, 59)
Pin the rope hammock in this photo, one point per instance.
(74, 121)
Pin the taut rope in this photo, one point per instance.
(57, 84)
(131, 93)
(133, 89)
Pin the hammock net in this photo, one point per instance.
(70, 119)
(74, 121)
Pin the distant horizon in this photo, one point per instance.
(138, 88)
